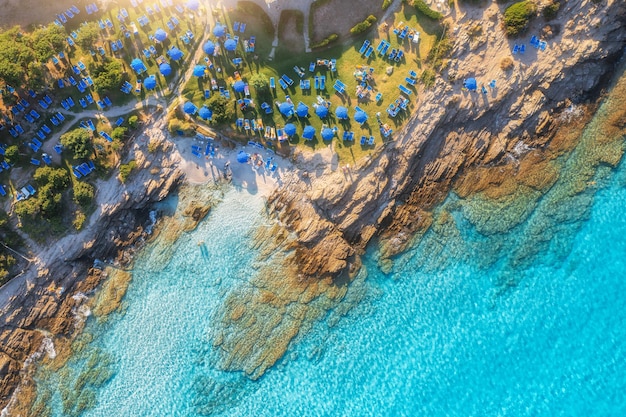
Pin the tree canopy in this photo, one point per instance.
(88, 35)
(223, 109)
(107, 76)
(78, 142)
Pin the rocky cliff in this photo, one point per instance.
(45, 299)
(452, 132)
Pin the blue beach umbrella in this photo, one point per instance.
(302, 110)
(470, 84)
(160, 35)
(198, 70)
(150, 82)
(137, 65)
(209, 48)
(290, 129)
(321, 111)
(230, 45)
(193, 5)
(242, 157)
(286, 108)
(165, 69)
(239, 86)
(308, 132)
(327, 133)
(360, 117)
(341, 112)
(219, 31)
(189, 108)
(175, 53)
(205, 113)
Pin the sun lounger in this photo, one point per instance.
(283, 84)
(37, 142)
(41, 135)
(35, 161)
(46, 158)
(46, 129)
(34, 147)
(29, 118)
(410, 80)
(369, 51)
(19, 129)
(242, 28)
(405, 90)
(366, 44)
(272, 83)
(60, 116)
(107, 101)
(323, 82)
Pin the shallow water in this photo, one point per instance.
(524, 323)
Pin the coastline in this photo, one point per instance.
(381, 198)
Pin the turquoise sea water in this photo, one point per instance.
(467, 324)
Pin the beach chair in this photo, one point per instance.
(242, 27)
(46, 158)
(60, 83)
(312, 66)
(322, 82)
(239, 122)
(379, 96)
(515, 49)
(363, 140)
(272, 83)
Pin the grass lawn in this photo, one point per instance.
(348, 58)
(133, 48)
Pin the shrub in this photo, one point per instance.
(517, 16)
(371, 18)
(506, 64)
(83, 193)
(132, 121)
(423, 8)
(364, 25)
(386, 4)
(118, 133)
(550, 11)
(79, 220)
(12, 154)
(330, 39)
(58, 178)
(126, 169)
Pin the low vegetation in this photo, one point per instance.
(506, 64)
(325, 42)
(364, 25)
(550, 10)
(423, 8)
(517, 17)
(126, 169)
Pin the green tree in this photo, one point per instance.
(107, 76)
(223, 108)
(83, 193)
(88, 35)
(12, 154)
(58, 178)
(47, 41)
(118, 133)
(78, 142)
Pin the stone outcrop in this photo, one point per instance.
(48, 296)
(451, 131)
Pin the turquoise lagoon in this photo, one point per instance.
(528, 322)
